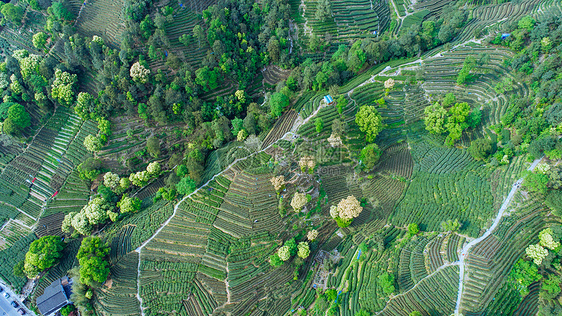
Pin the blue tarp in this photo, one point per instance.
(359, 254)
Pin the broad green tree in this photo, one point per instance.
(450, 225)
(435, 118)
(277, 103)
(370, 155)
(63, 87)
(369, 121)
(303, 249)
(153, 146)
(91, 256)
(525, 273)
(480, 148)
(413, 229)
(18, 119)
(386, 281)
(43, 254)
(129, 205)
(323, 10)
(186, 186)
(12, 13)
(536, 182)
(92, 143)
(275, 261)
(39, 40)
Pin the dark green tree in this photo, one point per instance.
(480, 148)
(153, 146)
(18, 119)
(19, 269)
(370, 155)
(186, 186)
(278, 103)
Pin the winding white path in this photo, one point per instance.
(466, 248)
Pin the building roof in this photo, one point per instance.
(328, 99)
(55, 297)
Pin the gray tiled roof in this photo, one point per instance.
(53, 298)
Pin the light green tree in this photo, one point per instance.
(81, 224)
(299, 201)
(435, 118)
(42, 254)
(537, 253)
(111, 180)
(124, 183)
(94, 269)
(92, 143)
(153, 168)
(96, 210)
(39, 40)
(303, 249)
(242, 135)
(546, 239)
(186, 186)
(369, 121)
(139, 73)
(312, 235)
(140, 178)
(413, 229)
(284, 253)
(62, 88)
(129, 205)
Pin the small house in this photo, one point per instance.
(55, 297)
(329, 100)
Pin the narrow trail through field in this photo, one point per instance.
(306, 29)
(450, 264)
(139, 249)
(466, 248)
(79, 12)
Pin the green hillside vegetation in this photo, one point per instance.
(285, 157)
